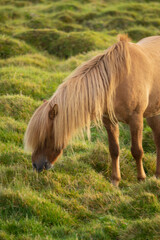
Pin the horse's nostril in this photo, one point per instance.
(34, 166)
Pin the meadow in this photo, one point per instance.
(41, 42)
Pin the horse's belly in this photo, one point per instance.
(151, 113)
(153, 108)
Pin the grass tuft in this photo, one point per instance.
(10, 47)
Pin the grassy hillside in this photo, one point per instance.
(41, 42)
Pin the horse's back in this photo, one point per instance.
(149, 40)
(151, 46)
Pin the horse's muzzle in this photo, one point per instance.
(41, 165)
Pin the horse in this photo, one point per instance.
(122, 84)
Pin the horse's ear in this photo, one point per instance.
(53, 112)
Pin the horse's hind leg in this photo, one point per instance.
(136, 128)
(154, 123)
(113, 138)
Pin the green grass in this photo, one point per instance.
(41, 42)
(10, 47)
(64, 44)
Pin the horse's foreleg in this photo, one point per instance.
(154, 123)
(113, 138)
(136, 128)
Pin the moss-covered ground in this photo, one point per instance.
(41, 42)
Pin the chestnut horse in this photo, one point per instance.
(121, 84)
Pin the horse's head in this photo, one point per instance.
(45, 156)
(43, 159)
(40, 137)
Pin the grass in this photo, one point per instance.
(41, 42)
(10, 47)
(64, 44)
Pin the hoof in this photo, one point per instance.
(115, 182)
(140, 179)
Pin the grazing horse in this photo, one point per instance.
(120, 84)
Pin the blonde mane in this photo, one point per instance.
(85, 96)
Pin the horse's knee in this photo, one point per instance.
(137, 153)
